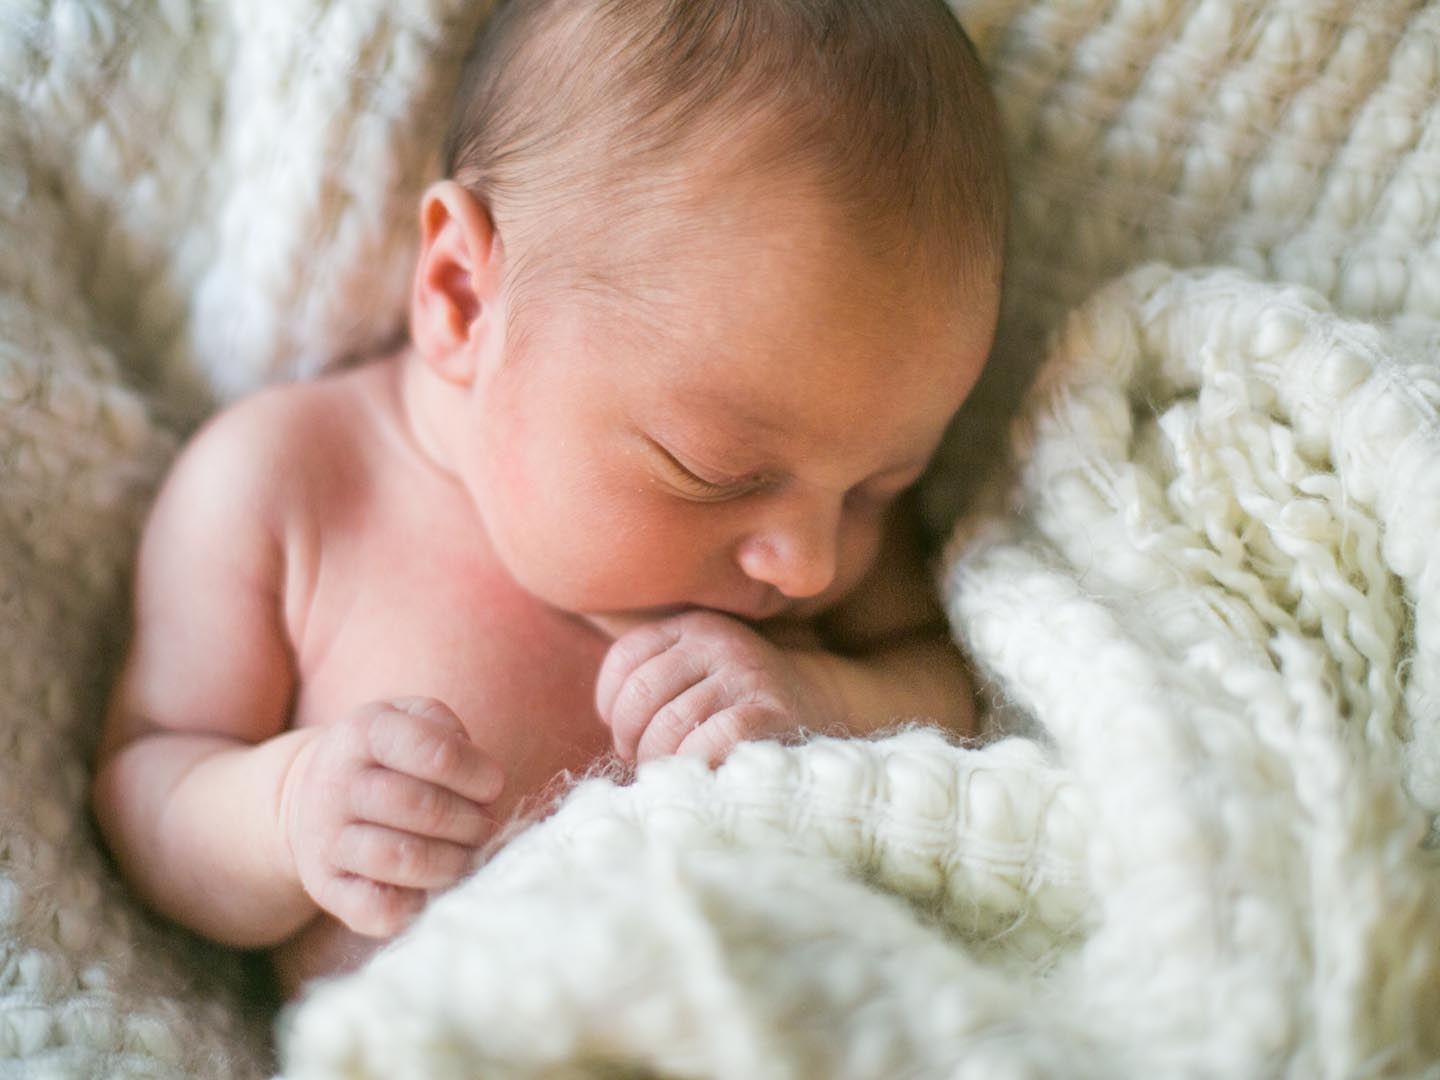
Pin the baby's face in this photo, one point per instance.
(747, 459)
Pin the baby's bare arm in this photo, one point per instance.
(220, 817)
(920, 678)
(194, 753)
(888, 652)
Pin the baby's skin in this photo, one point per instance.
(378, 613)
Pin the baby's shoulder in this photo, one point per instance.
(265, 454)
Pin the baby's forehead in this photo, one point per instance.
(707, 231)
(840, 372)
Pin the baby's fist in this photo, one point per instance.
(383, 807)
(701, 682)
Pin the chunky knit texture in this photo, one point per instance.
(1207, 593)
(1215, 587)
(165, 171)
(1298, 140)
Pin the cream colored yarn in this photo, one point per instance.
(1298, 140)
(1294, 139)
(189, 193)
(1216, 588)
(1207, 864)
(712, 924)
(1232, 499)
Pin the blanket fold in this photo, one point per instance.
(1209, 587)
(1207, 599)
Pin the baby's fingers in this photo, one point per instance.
(422, 738)
(656, 699)
(626, 657)
(392, 857)
(368, 907)
(384, 797)
(664, 732)
(717, 736)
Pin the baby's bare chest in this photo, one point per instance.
(408, 600)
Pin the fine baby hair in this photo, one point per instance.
(578, 122)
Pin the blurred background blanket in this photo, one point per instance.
(1201, 596)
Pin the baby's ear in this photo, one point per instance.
(456, 320)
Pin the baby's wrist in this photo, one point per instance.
(303, 743)
(827, 699)
(283, 846)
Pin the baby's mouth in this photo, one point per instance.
(771, 606)
(615, 623)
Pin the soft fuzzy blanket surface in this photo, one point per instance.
(1216, 588)
(1203, 603)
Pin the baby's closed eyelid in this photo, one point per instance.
(694, 477)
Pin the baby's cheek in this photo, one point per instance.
(859, 552)
(592, 554)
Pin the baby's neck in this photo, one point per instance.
(427, 408)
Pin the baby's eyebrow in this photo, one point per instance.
(732, 410)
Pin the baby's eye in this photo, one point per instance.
(707, 489)
(704, 489)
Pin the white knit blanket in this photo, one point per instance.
(1204, 603)
(1216, 589)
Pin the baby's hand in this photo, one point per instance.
(699, 683)
(386, 805)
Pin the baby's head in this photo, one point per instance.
(705, 287)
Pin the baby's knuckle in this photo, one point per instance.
(369, 792)
(635, 693)
(382, 736)
(346, 847)
(737, 652)
(354, 727)
(406, 855)
(673, 720)
(433, 810)
(745, 682)
(428, 710)
(720, 655)
(626, 652)
(444, 754)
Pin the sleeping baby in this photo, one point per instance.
(702, 290)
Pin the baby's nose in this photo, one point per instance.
(796, 556)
